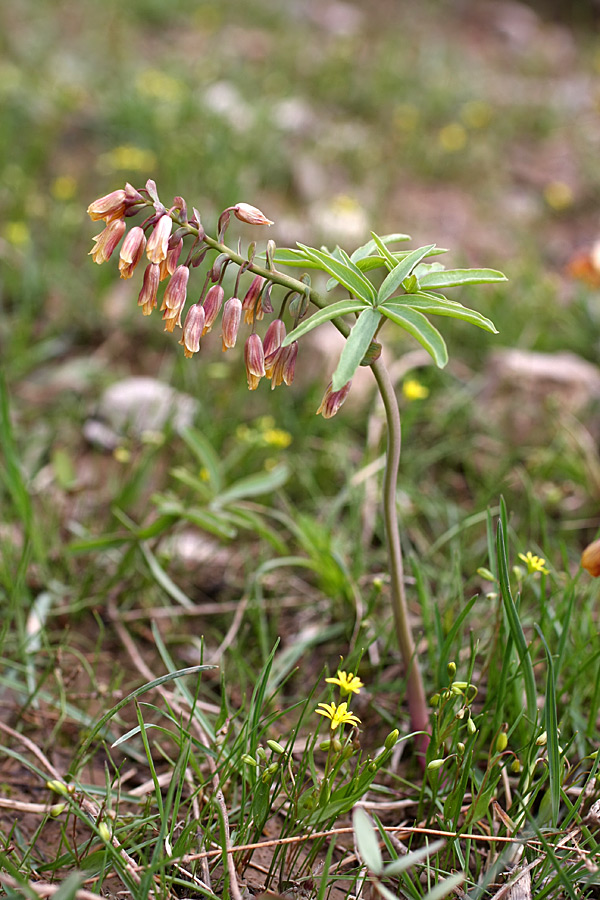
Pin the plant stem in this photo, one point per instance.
(417, 704)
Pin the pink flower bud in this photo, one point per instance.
(158, 242)
(230, 323)
(176, 290)
(132, 251)
(147, 297)
(272, 342)
(107, 241)
(250, 300)
(193, 330)
(109, 207)
(289, 362)
(212, 306)
(332, 400)
(255, 361)
(250, 214)
(169, 263)
(283, 365)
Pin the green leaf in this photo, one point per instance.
(367, 840)
(411, 859)
(206, 455)
(514, 624)
(551, 728)
(443, 888)
(399, 273)
(386, 254)
(296, 258)
(416, 324)
(440, 306)
(341, 308)
(456, 277)
(254, 485)
(370, 247)
(377, 262)
(355, 347)
(346, 273)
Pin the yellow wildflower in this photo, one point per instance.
(534, 563)
(339, 714)
(414, 390)
(347, 682)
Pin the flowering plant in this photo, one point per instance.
(382, 285)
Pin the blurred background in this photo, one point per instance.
(472, 124)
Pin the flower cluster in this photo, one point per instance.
(160, 238)
(338, 713)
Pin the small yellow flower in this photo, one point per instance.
(534, 563)
(339, 714)
(347, 682)
(414, 390)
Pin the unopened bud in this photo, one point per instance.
(325, 745)
(515, 766)
(332, 400)
(392, 739)
(255, 361)
(250, 214)
(230, 323)
(542, 740)
(249, 760)
(460, 748)
(276, 747)
(590, 558)
(435, 700)
(59, 787)
(57, 809)
(435, 764)
(104, 832)
(485, 573)
(451, 669)
(212, 306)
(501, 742)
(471, 727)
(260, 752)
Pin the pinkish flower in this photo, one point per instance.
(147, 297)
(111, 206)
(212, 306)
(250, 214)
(193, 330)
(132, 251)
(169, 263)
(283, 365)
(332, 400)
(230, 323)
(158, 242)
(107, 241)
(255, 361)
(176, 291)
(272, 341)
(249, 304)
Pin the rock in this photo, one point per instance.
(142, 405)
(524, 390)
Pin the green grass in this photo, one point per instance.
(170, 701)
